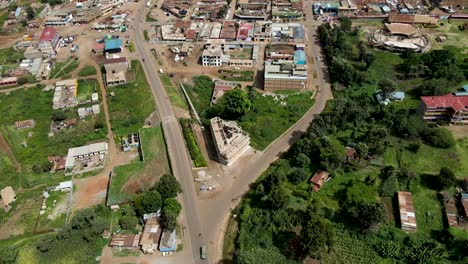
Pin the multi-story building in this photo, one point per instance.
(286, 10)
(213, 56)
(262, 31)
(285, 69)
(230, 140)
(450, 107)
(253, 10)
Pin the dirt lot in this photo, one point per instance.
(459, 132)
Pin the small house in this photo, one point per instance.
(168, 241)
(407, 212)
(350, 153)
(113, 46)
(65, 186)
(7, 196)
(319, 178)
(25, 124)
(125, 241)
(58, 162)
(150, 238)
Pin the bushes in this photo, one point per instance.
(439, 137)
(194, 149)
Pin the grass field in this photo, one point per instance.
(8, 174)
(59, 220)
(176, 96)
(132, 103)
(32, 146)
(141, 173)
(192, 144)
(428, 210)
(86, 87)
(87, 70)
(63, 68)
(237, 76)
(269, 116)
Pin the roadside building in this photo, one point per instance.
(424, 20)
(49, 41)
(449, 107)
(65, 95)
(86, 157)
(25, 124)
(407, 213)
(125, 241)
(7, 196)
(116, 69)
(262, 32)
(113, 46)
(83, 112)
(253, 10)
(98, 48)
(245, 32)
(32, 52)
(213, 55)
(318, 179)
(8, 81)
(286, 10)
(149, 241)
(230, 140)
(285, 76)
(168, 241)
(228, 32)
(64, 186)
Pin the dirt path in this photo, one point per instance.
(5, 148)
(93, 190)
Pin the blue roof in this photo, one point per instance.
(298, 33)
(398, 95)
(465, 87)
(18, 12)
(168, 241)
(113, 44)
(299, 57)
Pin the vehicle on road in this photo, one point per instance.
(203, 252)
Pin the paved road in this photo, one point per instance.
(218, 208)
(180, 162)
(213, 212)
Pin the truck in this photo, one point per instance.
(203, 252)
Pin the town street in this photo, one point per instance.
(205, 220)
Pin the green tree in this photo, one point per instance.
(386, 87)
(367, 215)
(345, 24)
(170, 212)
(279, 197)
(362, 150)
(435, 87)
(439, 137)
(149, 202)
(30, 13)
(317, 236)
(168, 186)
(234, 104)
(58, 115)
(128, 222)
(8, 255)
(298, 175)
(447, 178)
(302, 161)
(342, 71)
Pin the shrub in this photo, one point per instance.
(439, 137)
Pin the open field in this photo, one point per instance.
(57, 211)
(237, 75)
(9, 176)
(127, 180)
(86, 87)
(176, 96)
(32, 146)
(132, 103)
(87, 70)
(62, 69)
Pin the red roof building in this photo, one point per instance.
(245, 32)
(319, 178)
(50, 34)
(447, 107)
(228, 31)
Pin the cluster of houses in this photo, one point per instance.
(152, 239)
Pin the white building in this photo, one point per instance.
(83, 154)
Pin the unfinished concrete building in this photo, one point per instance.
(230, 140)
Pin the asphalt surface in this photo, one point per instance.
(212, 213)
(179, 158)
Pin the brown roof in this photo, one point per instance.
(401, 29)
(229, 30)
(125, 240)
(190, 34)
(350, 152)
(115, 60)
(407, 213)
(183, 24)
(24, 124)
(8, 195)
(450, 209)
(151, 232)
(319, 179)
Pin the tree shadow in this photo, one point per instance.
(430, 181)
